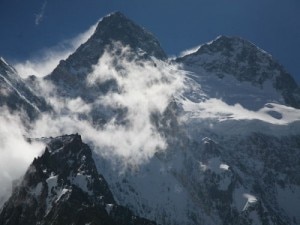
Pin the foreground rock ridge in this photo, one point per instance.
(62, 186)
(230, 128)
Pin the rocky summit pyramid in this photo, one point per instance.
(112, 30)
(210, 138)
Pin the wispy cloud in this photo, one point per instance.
(45, 61)
(40, 15)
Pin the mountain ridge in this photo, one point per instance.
(62, 186)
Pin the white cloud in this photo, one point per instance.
(15, 152)
(45, 61)
(144, 88)
(78, 106)
(220, 111)
(40, 15)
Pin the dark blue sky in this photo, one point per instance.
(273, 25)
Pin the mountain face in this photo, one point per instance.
(62, 186)
(230, 152)
(215, 172)
(16, 95)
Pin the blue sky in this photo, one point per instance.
(28, 27)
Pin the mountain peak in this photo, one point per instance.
(228, 38)
(230, 44)
(111, 29)
(116, 27)
(115, 14)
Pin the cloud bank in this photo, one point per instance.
(144, 88)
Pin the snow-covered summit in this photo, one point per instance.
(233, 57)
(224, 43)
(238, 57)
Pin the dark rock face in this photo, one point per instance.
(246, 62)
(15, 94)
(63, 187)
